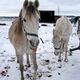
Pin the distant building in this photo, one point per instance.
(47, 16)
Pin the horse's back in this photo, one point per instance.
(63, 26)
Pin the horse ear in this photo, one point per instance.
(20, 15)
(36, 3)
(25, 3)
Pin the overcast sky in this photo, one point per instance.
(67, 2)
(62, 5)
(10, 4)
(15, 4)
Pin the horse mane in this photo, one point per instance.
(19, 24)
(31, 11)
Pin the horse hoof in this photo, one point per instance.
(34, 75)
(28, 65)
(59, 66)
(65, 60)
(59, 60)
(70, 54)
(17, 61)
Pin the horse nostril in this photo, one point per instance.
(38, 43)
(32, 43)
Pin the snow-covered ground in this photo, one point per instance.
(9, 69)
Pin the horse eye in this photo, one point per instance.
(24, 20)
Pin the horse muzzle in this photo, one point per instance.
(34, 49)
(56, 53)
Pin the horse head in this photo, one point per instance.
(30, 18)
(56, 42)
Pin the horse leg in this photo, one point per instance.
(66, 57)
(20, 61)
(28, 62)
(66, 50)
(60, 52)
(59, 59)
(33, 59)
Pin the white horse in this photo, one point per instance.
(23, 34)
(61, 36)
